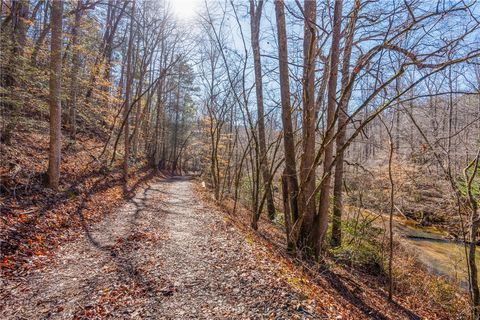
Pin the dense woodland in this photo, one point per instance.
(336, 122)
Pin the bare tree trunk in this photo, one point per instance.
(255, 18)
(38, 44)
(75, 70)
(158, 122)
(474, 226)
(128, 90)
(18, 18)
(307, 166)
(138, 107)
(173, 157)
(112, 24)
(342, 130)
(390, 220)
(20, 9)
(288, 138)
(472, 247)
(287, 208)
(332, 90)
(55, 96)
(391, 151)
(136, 131)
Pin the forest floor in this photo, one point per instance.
(169, 253)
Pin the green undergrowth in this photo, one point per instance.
(361, 247)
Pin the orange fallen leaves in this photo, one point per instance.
(35, 221)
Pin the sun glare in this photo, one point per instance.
(184, 9)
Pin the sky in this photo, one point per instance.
(185, 9)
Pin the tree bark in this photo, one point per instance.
(473, 232)
(255, 18)
(158, 122)
(336, 239)
(307, 165)
(38, 44)
(329, 134)
(55, 96)
(20, 16)
(128, 89)
(74, 73)
(472, 247)
(105, 49)
(288, 138)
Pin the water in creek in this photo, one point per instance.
(440, 256)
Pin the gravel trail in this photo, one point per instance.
(164, 255)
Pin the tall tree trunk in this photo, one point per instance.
(158, 122)
(75, 70)
(255, 18)
(20, 17)
(391, 208)
(288, 138)
(286, 209)
(342, 130)
(173, 155)
(55, 96)
(473, 232)
(472, 247)
(136, 132)
(128, 89)
(105, 54)
(38, 43)
(307, 166)
(329, 134)
(140, 112)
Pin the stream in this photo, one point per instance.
(441, 256)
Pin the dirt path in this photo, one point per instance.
(164, 255)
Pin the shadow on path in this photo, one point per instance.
(122, 251)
